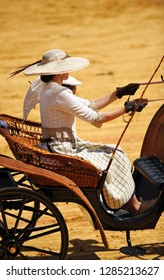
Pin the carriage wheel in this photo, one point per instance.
(27, 232)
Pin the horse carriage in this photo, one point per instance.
(31, 225)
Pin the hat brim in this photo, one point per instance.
(66, 65)
(71, 81)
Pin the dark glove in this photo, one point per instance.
(130, 106)
(130, 89)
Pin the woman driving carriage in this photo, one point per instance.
(59, 108)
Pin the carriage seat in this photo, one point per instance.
(23, 138)
(152, 168)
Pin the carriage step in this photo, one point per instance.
(152, 169)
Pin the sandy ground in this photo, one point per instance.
(124, 42)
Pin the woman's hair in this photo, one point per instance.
(70, 87)
(22, 68)
(46, 78)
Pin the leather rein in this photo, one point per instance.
(104, 174)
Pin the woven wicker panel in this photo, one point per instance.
(153, 143)
(18, 126)
(80, 171)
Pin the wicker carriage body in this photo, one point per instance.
(23, 138)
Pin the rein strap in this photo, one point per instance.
(104, 174)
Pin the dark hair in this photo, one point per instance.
(46, 78)
(69, 86)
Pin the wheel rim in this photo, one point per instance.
(31, 226)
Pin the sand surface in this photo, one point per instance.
(124, 42)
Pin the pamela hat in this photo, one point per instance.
(54, 62)
(71, 81)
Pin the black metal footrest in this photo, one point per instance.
(152, 169)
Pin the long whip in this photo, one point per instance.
(104, 174)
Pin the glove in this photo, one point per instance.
(130, 89)
(130, 106)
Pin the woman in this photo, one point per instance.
(59, 108)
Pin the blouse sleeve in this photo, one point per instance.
(91, 104)
(79, 107)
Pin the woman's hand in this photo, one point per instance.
(130, 89)
(130, 106)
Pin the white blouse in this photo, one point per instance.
(58, 106)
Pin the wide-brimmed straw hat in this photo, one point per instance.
(56, 61)
(71, 81)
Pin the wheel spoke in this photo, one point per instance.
(40, 234)
(15, 216)
(22, 256)
(33, 221)
(19, 214)
(32, 248)
(3, 217)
